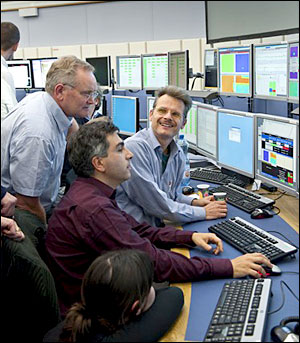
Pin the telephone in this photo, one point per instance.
(283, 333)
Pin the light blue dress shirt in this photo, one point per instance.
(33, 141)
(150, 195)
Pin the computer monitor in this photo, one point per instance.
(150, 103)
(236, 141)
(277, 151)
(270, 66)
(102, 71)
(191, 127)
(125, 114)
(21, 73)
(179, 69)
(293, 75)
(154, 71)
(211, 69)
(235, 71)
(207, 130)
(129, 72)
(39, 68)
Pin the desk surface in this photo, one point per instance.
(198, 309)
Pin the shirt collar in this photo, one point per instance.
(104, 188)
(3, 62)
(154, 143)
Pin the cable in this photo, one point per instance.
(193, 83)
(279, 233)
(283, 297)
(276, 214)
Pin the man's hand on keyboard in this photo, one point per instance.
(215, 209)
(202, 240)
(250, 264)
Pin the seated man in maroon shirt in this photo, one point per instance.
(88, 222)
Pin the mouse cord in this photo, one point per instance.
(277, 208)
(283, 296)
(279, 233)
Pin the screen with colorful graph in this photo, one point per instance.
(294, 72)
(270, 71)
(190, 129)
(234, 72)
(277, 151)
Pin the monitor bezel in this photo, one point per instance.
(31, 66)
(118, 72)
(245, 95)
(186, 61)
(268, 97)
(191, 144)
(136, 100)
(109, 76)
(27, 62)
(258, 176)
(294, 100)
(151, 55)
(234, 169)
(199, 149)
(215, 50)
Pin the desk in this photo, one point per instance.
(201, 297)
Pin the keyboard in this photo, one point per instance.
(249, 238)
(241, 311)
(215, 176)
(242, 198)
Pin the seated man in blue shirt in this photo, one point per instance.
(153, 192)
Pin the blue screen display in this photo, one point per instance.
(124, 114)
(236, 142)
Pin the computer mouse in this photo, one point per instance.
(275, 270)
(187, 190)
(259, 213)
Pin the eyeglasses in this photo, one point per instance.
(87, 95)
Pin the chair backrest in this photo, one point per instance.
(29, 300)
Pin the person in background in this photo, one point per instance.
(10, 37)
(118, 303)
(34, 134)
(88, 222)
(157, 168)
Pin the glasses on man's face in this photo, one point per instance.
(87, 95)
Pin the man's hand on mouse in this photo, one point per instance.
(250, 264)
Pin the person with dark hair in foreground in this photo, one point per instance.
(118, 303)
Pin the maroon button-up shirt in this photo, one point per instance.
(88, 222)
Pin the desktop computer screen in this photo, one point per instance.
(154, 71)
(129, 72)
(236, 141)
(190, 128)
(21, 73)
(211, 68)
(125, 114)
(102, 69)
(40, 67)
(277, 151)
(270, 71)
(235, 71)
(150, 103)
(179, 69)
(293, 75)
(207, 130)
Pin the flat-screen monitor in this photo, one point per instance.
(154, 71)
(102, 71)
(277, 151)
(207, 130)
(39, 68)
(191, 127)
(211, 68)
(179, 69)
(129, 72)
(21, 73)
(236, 141)
(235, 71)
(125, 114)
(150, 103)
(270, 66)
(293, 74)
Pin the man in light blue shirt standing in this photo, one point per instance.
(153, 192)
(34, 133)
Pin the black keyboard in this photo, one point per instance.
(241, 311)
(215, 176)
(242, 198)
(249, 238)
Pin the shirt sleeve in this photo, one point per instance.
(8, 98)
(143, 190)
(118, 232)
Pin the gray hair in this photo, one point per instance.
(89, 141)
(64, 70)
(177, 93)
